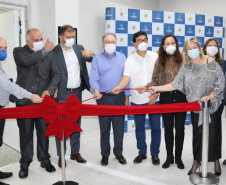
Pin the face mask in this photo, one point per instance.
(37, 46)
(110, 48)
(171, 49)
(143, 46)
(69, 42)
(3, 55)
(194, 53)
(211, 51)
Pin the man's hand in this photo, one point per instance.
(153, 98)
(36, 98)
(87, 53)
(55, 94)
(116, 90)
(49, 46)
(97, 94)
(45, 93)
(141, 89)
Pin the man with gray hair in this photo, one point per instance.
(37, 72)
(7, 88)
(106, 72)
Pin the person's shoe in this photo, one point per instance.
(217, 168)
(155, 160)
(224, 162)
(78, 158)
(2, 183)
(139, 158)
(5, 175)
(23, 173)
(194, 167)
(60, 164)
(48, 166)
(169, 160)
(179, 163)
(121, 159)
(104, 161)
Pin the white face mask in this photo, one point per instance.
(69, 42)
(171, 49)
(143, 46)
(211, 51)
(37, 46)
(110, 48)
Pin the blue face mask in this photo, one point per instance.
(3, 55)
(194, 53)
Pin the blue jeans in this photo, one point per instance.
(154, 120)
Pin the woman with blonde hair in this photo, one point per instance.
(200, 79)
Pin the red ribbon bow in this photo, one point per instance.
(61, 117)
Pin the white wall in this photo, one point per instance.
(11, 135)
(207, 7)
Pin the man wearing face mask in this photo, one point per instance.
(106, 72)
(138, 72)
(71, 60)
(37, 72)
(7, 88)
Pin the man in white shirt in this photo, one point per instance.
(71, 60)
(137, 72)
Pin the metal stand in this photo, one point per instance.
(205, 177)
(64, 182)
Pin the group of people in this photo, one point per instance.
(163, 78)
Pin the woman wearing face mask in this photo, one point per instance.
(202, 79)
(212, 49)
(166, 68)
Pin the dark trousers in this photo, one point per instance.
(75, 137)
(215, 136)
(26, 129)
(154, 121)
(2, 125)
(117, 124)
(172, 120)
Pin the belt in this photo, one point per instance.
(72, 89)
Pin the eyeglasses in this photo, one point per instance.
(142, 40)
(113, 42)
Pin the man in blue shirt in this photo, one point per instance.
(106, 72)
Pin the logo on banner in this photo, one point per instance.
(110, 14)
(147, 27)
(133, 27)
(169, 17)
(134, 15)
(168, 28)
(157, 16)
(209, 20)
(121, 26)
(156, 40)
(209, 31)
(218, 21)
(145, 15)
(201, 41)
(121, 13)
(179, 18)
(200, 20)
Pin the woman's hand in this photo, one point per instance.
(141, 89)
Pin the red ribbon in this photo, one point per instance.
(62, 117)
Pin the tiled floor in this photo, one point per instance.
(92, 173)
